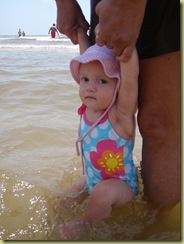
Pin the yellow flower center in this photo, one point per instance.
(112, 163)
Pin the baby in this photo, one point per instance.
(108, 90)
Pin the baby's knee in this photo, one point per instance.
(98, 208)
(98, 195)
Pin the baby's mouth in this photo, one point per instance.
(90, 97)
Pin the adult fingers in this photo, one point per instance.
(126, 54)
(117, 51)
(73, 36)
(98, 8)
(98, 40)
(84, 24)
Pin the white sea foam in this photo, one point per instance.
(36, 42)
(48, 47)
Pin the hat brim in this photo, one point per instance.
(110, 65)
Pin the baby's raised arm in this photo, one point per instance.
(126, 104)
(128, 93)
(83, 40)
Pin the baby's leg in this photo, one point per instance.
(107, 194)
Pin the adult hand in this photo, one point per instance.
(119, 25)
(70, 18)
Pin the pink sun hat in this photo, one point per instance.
(102, 54)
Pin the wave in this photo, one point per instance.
(46, 47)
(36, 42)
(61, 38)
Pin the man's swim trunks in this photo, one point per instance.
(160, 32)
(53, 34)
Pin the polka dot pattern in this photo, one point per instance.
(104, 131)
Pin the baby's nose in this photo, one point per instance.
(91, 86)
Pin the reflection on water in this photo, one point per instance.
(24, 211)
(30, 212)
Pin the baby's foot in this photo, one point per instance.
(73, 229)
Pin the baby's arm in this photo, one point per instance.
(83, 40)
(128, 93)
(129, 85)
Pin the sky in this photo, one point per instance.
(35, 17)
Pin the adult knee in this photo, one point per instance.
(151, 124)
(160, 159)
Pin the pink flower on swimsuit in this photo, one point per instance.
(109, 159)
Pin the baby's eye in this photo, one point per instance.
(84, 79)
(102, 81)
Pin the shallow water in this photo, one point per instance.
(38, 104)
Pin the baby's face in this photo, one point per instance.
(96, 88)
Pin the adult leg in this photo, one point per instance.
(159, 124)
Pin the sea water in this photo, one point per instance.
(38, 118)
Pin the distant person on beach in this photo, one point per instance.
(154, 27)
(53, 30)
(19, 33)
(23, 33)
(108, 90)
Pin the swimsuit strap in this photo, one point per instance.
(79, 140)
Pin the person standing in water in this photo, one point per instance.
(19, 33)
(53, 31)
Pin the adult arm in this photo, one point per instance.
(119, 25)
(70, 18)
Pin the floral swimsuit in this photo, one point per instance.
(105, 154)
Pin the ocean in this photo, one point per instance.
(38, 161)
